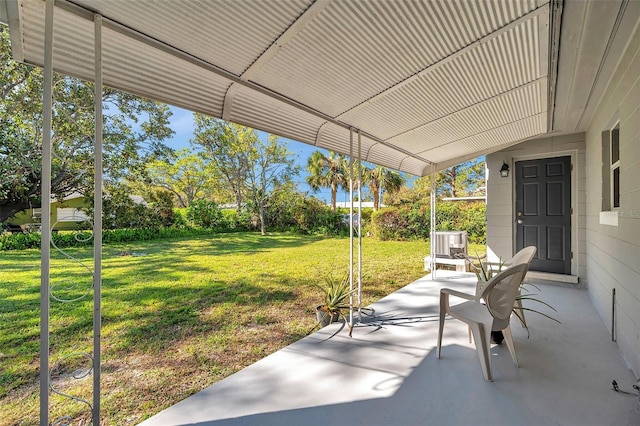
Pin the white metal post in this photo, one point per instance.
(45, 230)
(359, 225)
(97, 222)
(351, 226)
(432, 234)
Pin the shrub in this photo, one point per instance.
(83, 238)
(467, 216)
(232, 221)
(180, 218)
(19, 241)
(314, 217)
(412, 221)
(204, 214)
(289, 210)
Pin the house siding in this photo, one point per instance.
(613, 252)
(25, 216)
(500, 195)
(608, 257)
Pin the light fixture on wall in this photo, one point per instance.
(504, 170)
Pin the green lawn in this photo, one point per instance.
(178, 315)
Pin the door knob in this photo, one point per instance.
(519, 220)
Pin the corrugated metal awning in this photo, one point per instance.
(424, 82)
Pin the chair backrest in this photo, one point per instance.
(501, 291)
(523, 256)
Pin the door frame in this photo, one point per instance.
(573, 154)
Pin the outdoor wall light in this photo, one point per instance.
(504, 170)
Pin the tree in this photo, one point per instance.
(461, 180)
(269, 168)
(251, 169)
(327, 171)
(465, 179)
(121, 209)
(128, 144)
(186, 175)
(227, 146)
(382, 179)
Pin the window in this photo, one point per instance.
(611, 168)
(610, 175)
(71, 215)
(615, 166)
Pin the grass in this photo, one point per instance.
(178, 315)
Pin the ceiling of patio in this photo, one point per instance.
(424, 82)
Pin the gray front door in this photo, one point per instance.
(543, 212)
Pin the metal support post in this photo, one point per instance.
(45, 247)
(351, 226)
(359, 298)
(97, 222)
(432, 233)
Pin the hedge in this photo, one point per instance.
(404, 222)
(83, 238)
(412, 221)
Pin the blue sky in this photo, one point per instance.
(182, 124)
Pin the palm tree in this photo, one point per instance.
(327, 171)
(381, 178)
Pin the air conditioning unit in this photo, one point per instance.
(450, 243)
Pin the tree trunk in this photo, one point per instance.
(375, 191)
(334, 193)
(263, 228)
(454, 175)
(9, 209)
(238, 201)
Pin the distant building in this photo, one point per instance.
(347, 204)
(65, 214)
(471, 198)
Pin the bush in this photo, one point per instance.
(412, 221)
(464, 216)
(399, 223)
(314, 217)
(84, 238)
(19, 241)
(290, 210)
(180, 218)
(234, 221)
(204, 214)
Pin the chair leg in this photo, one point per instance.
(518, 306)
(508, 338)
(482, 337)
(443, 314)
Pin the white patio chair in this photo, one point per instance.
(499, 295)
(524, 257)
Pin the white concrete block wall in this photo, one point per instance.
(613, 252)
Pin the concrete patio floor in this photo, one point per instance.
(388, 374)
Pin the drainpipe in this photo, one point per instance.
(613, 315)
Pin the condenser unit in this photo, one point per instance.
(450, 243)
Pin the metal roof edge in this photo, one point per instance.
(82, 12)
